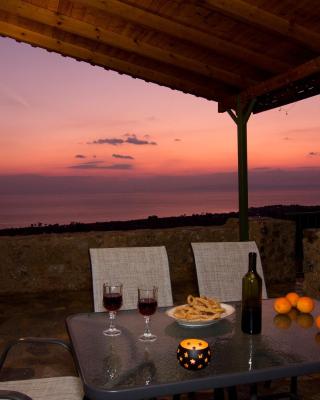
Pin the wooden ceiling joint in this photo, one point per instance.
(275, 84)
(256, 16)
(186, 33)
(51, 39)
(221, 50)
(75, 26)
(295, 91)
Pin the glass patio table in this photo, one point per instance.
(123, 367)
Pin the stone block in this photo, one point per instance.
(311, 250)
(311, 262)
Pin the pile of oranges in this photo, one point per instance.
(292, 307)
(283, 305)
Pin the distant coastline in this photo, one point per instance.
(119, 210)
(290, 212)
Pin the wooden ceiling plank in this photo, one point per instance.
(280, 81)
(75, 26)
(254, 15)
(186, 33)
(14, 31)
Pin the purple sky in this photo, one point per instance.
(68, 120)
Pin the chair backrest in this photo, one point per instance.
(133, 267)
(221, 266)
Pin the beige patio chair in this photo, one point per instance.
(132, 266)
(56, 388)
(221, 266)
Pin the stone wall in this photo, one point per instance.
(311, 262)
(60, 262)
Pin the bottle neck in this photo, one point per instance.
(252, 268)
(252, 262)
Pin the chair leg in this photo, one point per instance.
(218, 394)
(294, 385)
(232, 393)
(253, 391)
(267, 384)
(292, 394)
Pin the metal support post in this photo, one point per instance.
(241, 118)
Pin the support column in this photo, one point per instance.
(241, 117)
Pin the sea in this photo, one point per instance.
(26, 210)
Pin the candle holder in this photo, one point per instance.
(193, 354)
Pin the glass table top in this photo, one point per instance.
(111, 365)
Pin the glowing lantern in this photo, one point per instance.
(193, 354)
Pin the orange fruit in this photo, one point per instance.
(305, 304)
(282, 305)
(305, 320)
(318, 321)
(293, 314)
(282, 321)
(293, 298)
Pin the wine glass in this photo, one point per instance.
(112, 301)
(112, 363)
(147, 305)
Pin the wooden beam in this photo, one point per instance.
(298, 90)
(49, 39)
(81, 28)
(186, 33)
(256, 16)
(278, 82)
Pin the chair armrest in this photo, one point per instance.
(10, 395)
(31, 340)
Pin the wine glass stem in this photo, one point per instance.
(147, 331)
(112, 317)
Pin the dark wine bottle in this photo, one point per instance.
(251, 298)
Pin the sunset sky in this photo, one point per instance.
(61, 117)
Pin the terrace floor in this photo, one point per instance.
(44, 316)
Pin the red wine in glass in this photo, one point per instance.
(147, 305)
(112, 301)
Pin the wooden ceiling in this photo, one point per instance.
(222, 50)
